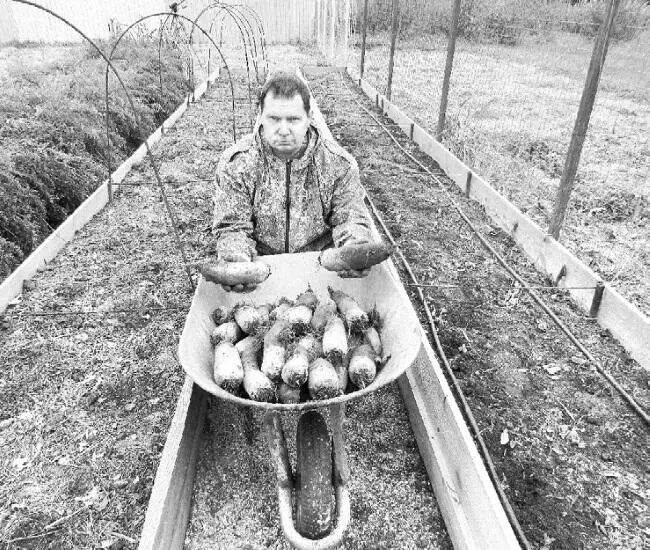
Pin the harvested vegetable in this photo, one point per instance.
(354, 256)
(288, 394)
(256, 384)
(371, 337)
(226, 332)
(299, 315)
(355, 318)
(220, 315)
(265, 314)
(335, 340)
(279, 311)
(324, 310)
(295, 371)
(250, 318)
(275, 349)
(307, 298)
(323, 382)
(363, 366)
(236, 273)
(228, 369)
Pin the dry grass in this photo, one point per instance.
(52, 130)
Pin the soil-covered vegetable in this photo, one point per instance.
(324, 310)
(363, 365)
(236, 273)
(250, 318)
(226, 332)
(323, 381)
(355, 318)
(275, 349)
(354, 256)
(256, 384)
(228, 369)
(335, 340)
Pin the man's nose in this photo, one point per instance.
(283, 128)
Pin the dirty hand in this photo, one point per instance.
(238, 257)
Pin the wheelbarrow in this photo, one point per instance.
(320, 483)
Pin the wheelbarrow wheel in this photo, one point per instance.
(314, 490)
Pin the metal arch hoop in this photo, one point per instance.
(262, 33)
(138, 120)
(246, 49)
(226, 8)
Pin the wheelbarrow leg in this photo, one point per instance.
(339, 476)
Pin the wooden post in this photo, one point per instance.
(317, 24)
(567, 180)
(393, 40)
(323, 20)
(346, 28)
(364, 29)
(333, 30)
(451, 49)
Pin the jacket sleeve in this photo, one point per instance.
(349, 216)
(232, 221)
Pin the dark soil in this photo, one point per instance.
(575, 466)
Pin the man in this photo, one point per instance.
(285, 188)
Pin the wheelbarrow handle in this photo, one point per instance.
(278, 449)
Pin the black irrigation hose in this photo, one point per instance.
(476, 432)
(574, 340)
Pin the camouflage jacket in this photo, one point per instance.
(265, 204)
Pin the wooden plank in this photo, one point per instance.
(625, 321)
(466, 497)
(404, 122)
(171, 497)
(12, 286)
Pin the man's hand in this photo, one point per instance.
(238, 257)
(353, 273)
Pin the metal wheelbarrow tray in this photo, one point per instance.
(456, 471)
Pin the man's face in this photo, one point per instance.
(285, 123)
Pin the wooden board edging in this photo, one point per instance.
(467, 499)
(12, 286)
(626, 322)
(169, 506)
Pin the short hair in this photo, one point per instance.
(286, 85)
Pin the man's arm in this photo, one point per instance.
(232, 221)
(349, 217)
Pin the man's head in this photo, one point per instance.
(285, 113)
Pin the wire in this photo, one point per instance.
(100, 312)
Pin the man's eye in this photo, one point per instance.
(275, 118)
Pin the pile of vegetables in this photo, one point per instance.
(295, 351)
